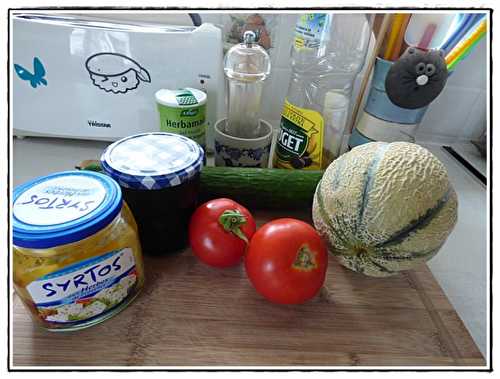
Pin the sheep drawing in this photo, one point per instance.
(116, 73)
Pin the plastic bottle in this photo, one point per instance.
(328, 52)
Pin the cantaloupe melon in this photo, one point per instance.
(385, 207)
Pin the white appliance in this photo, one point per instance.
(77, 77)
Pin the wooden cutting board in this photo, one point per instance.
(190, 314)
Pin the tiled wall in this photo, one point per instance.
(460, 110)
(459, 113)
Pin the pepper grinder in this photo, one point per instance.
(246, 66)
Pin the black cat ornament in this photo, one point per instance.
(417, 78)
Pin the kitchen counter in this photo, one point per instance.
(406, 320)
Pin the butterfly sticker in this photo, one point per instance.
(37, 77)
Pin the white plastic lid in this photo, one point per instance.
(63, 207)
(181, 98)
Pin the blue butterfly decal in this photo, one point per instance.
(37, 77)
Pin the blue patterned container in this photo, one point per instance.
(159, 174)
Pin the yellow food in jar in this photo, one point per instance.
(119, 238)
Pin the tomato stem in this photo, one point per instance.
(305, 259)
(231, 220)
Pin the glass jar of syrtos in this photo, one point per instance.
(159, 174)
(76, 258)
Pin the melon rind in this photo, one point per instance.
(385, 207)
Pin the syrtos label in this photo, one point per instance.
(85, 289)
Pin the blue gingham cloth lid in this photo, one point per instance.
(152, 161)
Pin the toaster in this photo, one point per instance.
(87, 78)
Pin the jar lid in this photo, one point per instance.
(63, 207)
(181, 98)
(151, 161)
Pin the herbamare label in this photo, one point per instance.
(189, 122)
(300, 139)
(85, 289)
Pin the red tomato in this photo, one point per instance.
(218, 230)
(286, 261)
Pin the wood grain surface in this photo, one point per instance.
(189, 314)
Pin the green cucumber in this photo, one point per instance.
(263, 188)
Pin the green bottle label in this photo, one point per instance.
(300, 139)
(189, 122)
(312, 30)
(292, 140)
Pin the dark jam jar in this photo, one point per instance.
(159, 174)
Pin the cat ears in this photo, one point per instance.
(413, 50)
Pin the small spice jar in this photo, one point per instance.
(76, 258)
(159, 174)
(182, 112)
